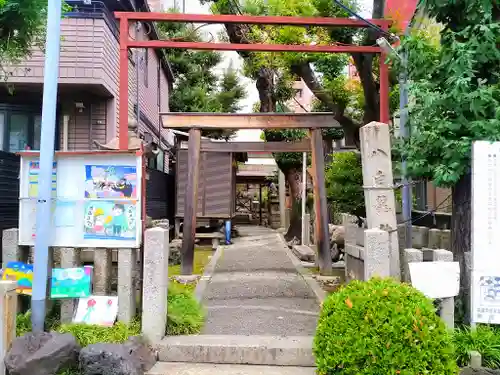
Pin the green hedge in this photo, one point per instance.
(382, 327)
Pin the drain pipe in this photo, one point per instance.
(137, 61)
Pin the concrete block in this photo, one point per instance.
(155, 284)
(420, 237)
(11, 251)
(476, 360)
(229, 349)
(304, 253)
(445, 239)
(447, 312)
(434, 238)
(377, 254)
(411, 255)
(126, 289)
(69, 258)
(102, 271)
(440, 255)
(428, 254)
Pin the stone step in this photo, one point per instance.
(241, 350)
(178, 368)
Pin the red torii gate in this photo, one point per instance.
(251, 120)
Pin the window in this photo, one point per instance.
(20, 128)
(18, 132)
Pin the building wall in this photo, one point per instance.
(303, 100)
(438, 199)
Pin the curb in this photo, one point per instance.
(207, 273)
(317, 290)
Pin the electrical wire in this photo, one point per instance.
(372, 25)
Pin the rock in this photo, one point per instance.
(304, 253)
(186, 279)
(335, 252)
(174, 255)
(41, 353)
(162, 223)
(293, 242)
(149, 222)
(337, 235)
(478, 371)
(133, 357)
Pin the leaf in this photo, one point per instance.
(348, 302)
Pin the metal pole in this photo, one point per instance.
(405, 134)
(304, 188)
(44, 203)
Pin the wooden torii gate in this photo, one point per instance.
(196, 121)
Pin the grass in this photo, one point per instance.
(202, 256)
(484, 339)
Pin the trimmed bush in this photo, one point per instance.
(382, 327)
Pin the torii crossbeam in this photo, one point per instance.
(197, 121)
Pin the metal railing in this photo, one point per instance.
(94, 10)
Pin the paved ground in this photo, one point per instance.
(177, 368)
(256, 290)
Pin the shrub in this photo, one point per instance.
(185, 315)
(344, 184)
(483, 339)
(382, 327)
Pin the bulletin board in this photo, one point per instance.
(96, 199)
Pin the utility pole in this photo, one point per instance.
(44, 202)
(405, 134)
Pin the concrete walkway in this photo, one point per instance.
(256, 290)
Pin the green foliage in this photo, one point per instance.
(483, 339)
(87, 334)
(344, 184)
(197, 86)
(22, 27)
(286, 160)
(185, 315)
(455, 89)
(381, 327)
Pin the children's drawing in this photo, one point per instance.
(110, 181)
(99, 310)
(71, 282)
(108, 220)
(22, 273)
(34, 171)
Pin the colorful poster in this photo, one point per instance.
(34, 172)
(110, 181)
(109, 220)
(71, 282)
(22, 273)
(99, 310)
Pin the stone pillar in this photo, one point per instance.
(434, 238)
(155, 284)
(411, 256)
(70, 258)
(177, 227)
(282, 198)
(8, 312)
(445, 239)
(11, 250)
(127, 307)
(379, 186)
(288, 212)
(306, 236)
(447, 304)
(102, 271)
(377, 254)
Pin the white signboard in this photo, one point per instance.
(485, 293)
(436, 279)
(96, 200)
(99, 310)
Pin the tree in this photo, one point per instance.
(197, 86)
(455, 100)
(22, 27)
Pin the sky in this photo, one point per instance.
(232, 58)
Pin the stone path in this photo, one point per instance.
(256, 290)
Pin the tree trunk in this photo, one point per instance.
(294, 178)
(461, 241)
